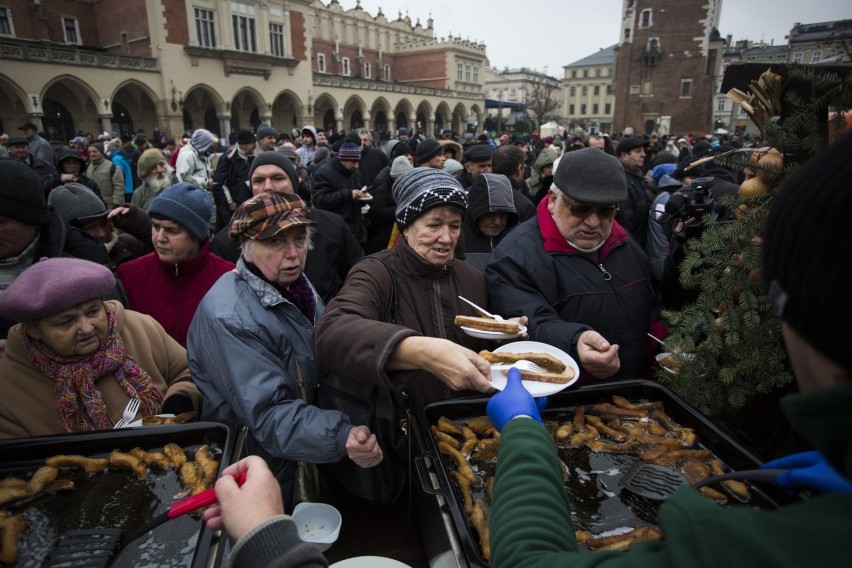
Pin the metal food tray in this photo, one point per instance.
(115, 498)
(598, 503)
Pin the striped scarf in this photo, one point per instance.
(80, 404)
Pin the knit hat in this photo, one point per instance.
(452, 166)
(421, 189)
(245, 137)
(401, 149)
(76, 204)
(664, 157)
(631, 143)
(321, 153)
(202, 140)
(288, 151)
(99, 146)
(113, 145)
(349, 152)
(267, 214)
(427, 150)
(148, 161)
(399, 166)
(22, 193)
(808, 225)
(591, 176)
(55, 284)
(402, 130)
(277, 159)
(660, 170)
(265, 130)
(478, 153)
(187, 205)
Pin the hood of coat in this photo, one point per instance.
(491, 193)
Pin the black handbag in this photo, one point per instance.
(386, 412)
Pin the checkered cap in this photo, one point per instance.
(267, 214)
(421, 189)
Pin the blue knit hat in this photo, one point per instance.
(187, 205)
(350, 152)
(421, 189)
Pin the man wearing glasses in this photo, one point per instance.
(578, 275)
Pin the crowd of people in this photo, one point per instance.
(228, 277)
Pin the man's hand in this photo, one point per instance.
(363, 448)
(67, 178)
(597, 356)
(809, 470)
(357, 194)
(118, 211)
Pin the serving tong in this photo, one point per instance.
(657, 482)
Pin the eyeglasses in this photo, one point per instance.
(584, 211)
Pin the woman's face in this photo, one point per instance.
(172, 242)
(77, 331)
(434, 234)
(281, 259)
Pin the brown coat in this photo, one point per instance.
(27, 404)
(353, 339)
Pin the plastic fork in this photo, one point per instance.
(129, 413)
(522, 365)
(480, 310)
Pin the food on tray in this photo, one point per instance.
(618, 542)
(89, 465)
(445, 438)
(736, 488)
(11, 527)
(176, 455)
(155, 459)
(121, 460)
(470, 441)
(461, 462)
(14, 489)
(449, 427)
(545, 360)
(481, 425)
(192, 477)
(208, 465)
(487, 324)
(464, 488)
(479, 520)
(603, 428)
(179, 419)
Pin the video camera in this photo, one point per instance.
(694, 201)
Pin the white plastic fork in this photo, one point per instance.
(129, 413)
(521, 365)
(480, 310)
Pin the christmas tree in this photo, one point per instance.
(729, 349)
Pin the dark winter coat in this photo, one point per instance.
(382, 214)
(634, 210)
(332, 191)
(232, 172)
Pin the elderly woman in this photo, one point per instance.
(423, 350)
(76, 360)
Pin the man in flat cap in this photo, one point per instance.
(576, 273)
(39, 147)
(634, 210)
(477, 161)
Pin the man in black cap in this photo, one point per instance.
(266, 138)
(19, 148)
(334, 248)
(39, 147)
(477, 161)
(430, 154)
(634, 210)
(337, 187)
(582, 280)
(231, 179)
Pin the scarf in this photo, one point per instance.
(299, 293)
(80, 404)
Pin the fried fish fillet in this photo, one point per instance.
(121, 460)
(89, 465)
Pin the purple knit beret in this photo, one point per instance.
(52, 285)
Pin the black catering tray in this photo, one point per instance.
(598, 503)
(115, 498)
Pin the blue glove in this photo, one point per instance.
(809, 470)
(514, 400)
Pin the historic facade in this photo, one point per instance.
(587, 92)
(117, 66)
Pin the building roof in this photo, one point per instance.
(822, 31)
(604, 56)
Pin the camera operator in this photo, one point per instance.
(701, 195)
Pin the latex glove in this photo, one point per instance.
(809, 470)
(513, 400)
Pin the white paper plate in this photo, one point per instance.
(138, 423)
(369, 562)
(535, 388)
(661, 356)
(482, 334)
(366, 198)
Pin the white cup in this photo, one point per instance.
(318, 523)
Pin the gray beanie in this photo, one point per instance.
(399, 166)
(591, 176)
(452, 166)
(421, 189)
(202, 140)
(265, 130)
(76, 204)
(22, 193)
(187, 205)
(277, 159)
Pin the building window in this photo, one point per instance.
(72, 30)
(626, 34)
(816, 57)
(570, 109)
(597, 90)
(585, 73)
(467, 73)
(608, 108)
(476, 73)
(797, 57)
(513, 92)
(609, 89)
(634, 89)
(582, 109)
(6, 27)
(574, 74)
(205, 28)
(321, 62)
(584, 91)
(646, 87)
(598, 72)
(645, 19)
(276, 39)
(344, 63)
(459, 71)
(244, 33)
(720, 105)
(386, 75)
(368, 70)
(711, 62)
(685, 87)
(572, 91)
(594, 109)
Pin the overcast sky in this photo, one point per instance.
(547, 34)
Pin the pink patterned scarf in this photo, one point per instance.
(80, 404)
